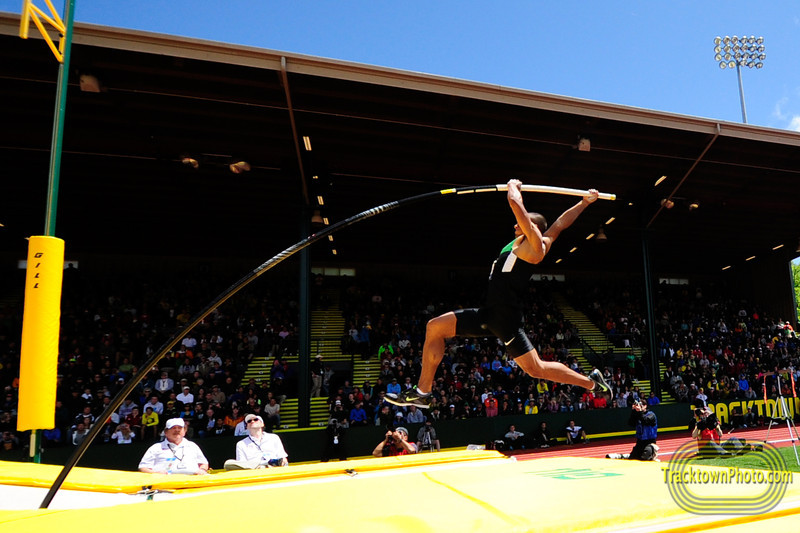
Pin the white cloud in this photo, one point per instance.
(777, 112)
(788, 117)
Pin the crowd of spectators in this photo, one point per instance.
(710, 347)
(110, 328)
(715, 349)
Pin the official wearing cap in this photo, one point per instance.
(174, 455)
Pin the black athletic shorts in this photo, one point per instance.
(506, 325)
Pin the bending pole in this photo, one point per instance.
(239, 285)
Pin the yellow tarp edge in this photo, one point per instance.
(115, 481)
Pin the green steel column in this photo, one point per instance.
(55, 162)
(58, 122)
(655, 377)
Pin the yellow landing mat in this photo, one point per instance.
(117, 481)
(460, 491)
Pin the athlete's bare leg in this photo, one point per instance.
(443, 327)
(535, 367)
(437, 331)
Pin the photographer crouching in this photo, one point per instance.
(708, 433)
(646, 425)
(395, 443)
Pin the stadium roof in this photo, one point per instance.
(376, 135)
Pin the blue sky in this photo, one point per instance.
(650, 54)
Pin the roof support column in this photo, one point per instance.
(655, 375)
(304, 342)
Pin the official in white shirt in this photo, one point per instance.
(259, 449)
(174, 455)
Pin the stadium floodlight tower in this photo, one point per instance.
(740, 52)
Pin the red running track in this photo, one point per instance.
(668, 443)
